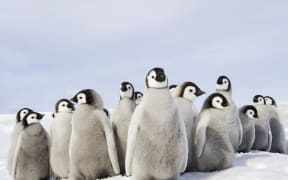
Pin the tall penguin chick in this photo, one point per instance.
(248, 114)
(60, 132)
(93, 152)
(235, 129)
(15, 134)
(121, 118)
(138, 97)
(214, 150)
(31, 160)
(263, 136)
(189, 91)
(277, 129)
(157, 143)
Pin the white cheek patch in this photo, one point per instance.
(217, 103)
(250, 114)
(268, 101)
(155, 84)
(138, 99)
(260, 101)
(23, 113)
(189, 95)
(128, 93)
(222, 87)
(81, 99)
(64, 109)
(31, 120)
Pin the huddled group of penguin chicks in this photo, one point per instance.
(158, 135)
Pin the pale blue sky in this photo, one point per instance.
(50, 50)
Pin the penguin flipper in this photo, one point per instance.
(200, 135)
(269, 139)
(111, 145)
(131, 140)
(15, 156)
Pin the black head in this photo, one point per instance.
(217, 101)
(250, 111)
(190, 91)
(126, 90)
(270, 101)
(156, 78)
(21, 114)
(223, 84)
(64, 105)
(32, 118)
(259, 99)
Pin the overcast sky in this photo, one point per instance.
(50, 50)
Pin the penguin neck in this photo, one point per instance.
(34, 129)
(127, 102)
(157, 96)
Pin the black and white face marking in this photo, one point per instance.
(138, 97)
(223, 84)
(156, 79)
(126, 90)
(259, 99)
(22, 113)
(270, 101)
(83, 97)
(217, 101)
(64, 105)
(190, 91)
(32, 118)
(251, 112)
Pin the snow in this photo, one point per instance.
(254, 165)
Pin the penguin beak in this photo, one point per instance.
(123, 88)
(225, 104)
(256, 116)
(71, 106)
(40, 116)
(200, 93)
(74, 99)
(160, 77)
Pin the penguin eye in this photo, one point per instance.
(153, 77)
(129, 87)
(63, 105)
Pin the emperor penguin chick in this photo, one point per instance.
(15, 134)
(157, 142)
(93, 153)
(263, 136)
(248, 114)
(121, 118)
(189, 91)
(235, 130)
(60, 132)
(277, 129)
(214, 150)
(31, 159)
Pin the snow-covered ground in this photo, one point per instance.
(254, 165)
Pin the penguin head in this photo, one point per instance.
(156, 78)
(89, 97)
(138, 97)
(216, 101)
(223, 84)
(270, 101)
(32, 118)
(250, 111)
(190, 91)
(126, 90)
(22, 113)
(64, 105)
(259, 99)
